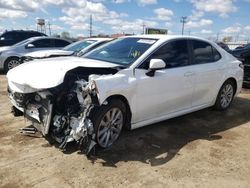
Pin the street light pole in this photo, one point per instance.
(49, 28)
(90, 26)
(143, 27)
(183, 21)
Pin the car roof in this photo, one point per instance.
(166, 37)
(99, 39)
(45, 37)
(23, 31)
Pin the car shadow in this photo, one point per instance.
(2, 73)
(159, 143)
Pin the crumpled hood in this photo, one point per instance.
(47, 73)
(48, 53)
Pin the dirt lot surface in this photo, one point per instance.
(202, 149)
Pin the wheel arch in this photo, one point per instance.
(128, 109)
(11, 57)
(217, 105)
(7, 59)
(234, 81)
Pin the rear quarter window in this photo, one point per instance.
(61, 43)
(204, 52)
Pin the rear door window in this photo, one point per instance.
(60, 43)
(10, 36)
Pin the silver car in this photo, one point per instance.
(78, 48)
(9, 56)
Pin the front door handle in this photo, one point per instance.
(188, 74)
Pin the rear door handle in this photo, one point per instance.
(188, 74)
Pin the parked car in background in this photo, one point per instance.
(224, 46)
(240, 46)
(129, 82)
(9, 56)
(243, 54)
(77, 48)
(246, 81)
(9, 38)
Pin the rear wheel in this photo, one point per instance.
(108, 122)
(225, 96)
(11, 63)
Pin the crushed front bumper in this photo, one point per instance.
(39, 114)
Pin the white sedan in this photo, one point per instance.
(78, 48)
(130, 82)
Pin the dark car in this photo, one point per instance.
(243, 51)
(9, 38)
(246, 62)
(243, 54)
(240, 47)
(224, 46)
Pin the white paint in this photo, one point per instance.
(47, 73)
(48, 53)
(157, 64)
(169, 93)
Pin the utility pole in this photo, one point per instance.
(90, 25)
(237, 37)
(49, 28)
(217, 37)
(143, 28)
(183, 21)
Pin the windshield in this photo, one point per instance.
(122, 51)
(22, 42)
(78, 46)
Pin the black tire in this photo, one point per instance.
(219, 105)
(7, 65)
(99, 115)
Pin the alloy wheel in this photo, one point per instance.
(226, 95)
(13, 63)
(110, 127)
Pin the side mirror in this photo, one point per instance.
(30, 46)
(154, 65)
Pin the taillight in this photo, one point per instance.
(241, 65)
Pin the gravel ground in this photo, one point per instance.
(202, 149)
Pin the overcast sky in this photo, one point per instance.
(205, 17)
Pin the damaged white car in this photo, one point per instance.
(130, 82)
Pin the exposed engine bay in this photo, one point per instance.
(64, 113)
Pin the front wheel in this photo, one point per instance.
(11, 63)
(225, 96)
(108, 122)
